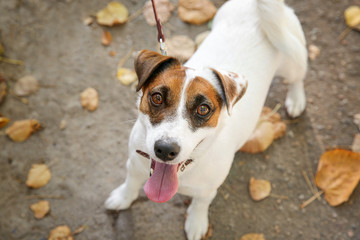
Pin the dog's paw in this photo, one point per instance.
(295, 101)
(196, 225)
(120, 199)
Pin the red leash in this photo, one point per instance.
(161, 37)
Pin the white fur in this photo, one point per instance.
(257, 39)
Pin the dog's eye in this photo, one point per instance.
(157, 99)
(203, 110)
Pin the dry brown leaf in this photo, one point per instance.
(62, 125)
(164, 8)
(201, 37)
(126, 76)
(3, 89)
(114, 13)
(261, 138)
(269, 128)
(38, 176)
(338, 174)
(352, 17)
(79, 229)
(106, 38)
(4, 121)
(19, 131)
(259, 189)
(314, 52)
(355, 145)
(25, 86)
(89, 99)
(181, 47)
(253, 236)
(196, 11)
(40, 209)
(62, 232)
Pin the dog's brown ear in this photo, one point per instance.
(233, 87)
(148, 64)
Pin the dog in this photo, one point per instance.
(193, 118)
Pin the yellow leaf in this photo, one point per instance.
(259, 189)
(38, 176)
(114, 13)
(126, 76)
(196, 11)
(89, 99)
(352, 17)
(4, 121)
(253, 236)
(40, 209)
(19, 131)
(338, 174)
(62, 232)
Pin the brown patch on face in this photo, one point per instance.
(169, 84)
(201, 92)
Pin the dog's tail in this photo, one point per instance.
(283, 30)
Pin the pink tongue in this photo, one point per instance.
(163, 184)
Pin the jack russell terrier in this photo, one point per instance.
(192, 119)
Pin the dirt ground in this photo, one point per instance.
(87, 159)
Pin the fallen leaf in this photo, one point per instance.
(26, 85)
(269, 128)
(253, 236)
(88, 21)
(4, 121)
(79, 229)
(196, 11)
(21, 130)
(259, 189)
(62, 125)
(201, 37)
(352, 17)
(164, 8)
(106, 38)
(114, 13)
(314, 52)
(338, 174)
(62, 232)
(126, 76)
(355, 145)
(40, 209)
(357, 120)
(3, 89)
(38, 176)
(261, 138)
(1, 49)
(89, 99)
(181, 47)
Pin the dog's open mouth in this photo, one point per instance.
(163, 182)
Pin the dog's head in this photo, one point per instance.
(180, 108)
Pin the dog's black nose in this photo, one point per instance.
(166, 151)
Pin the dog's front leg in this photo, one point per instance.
(122, 196)
(197, 222)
